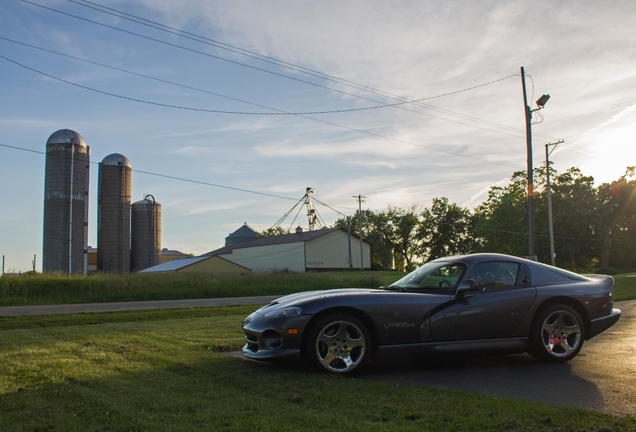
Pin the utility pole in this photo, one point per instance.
(528, 112)
(547, 171)
(360, 198)
(349, 240)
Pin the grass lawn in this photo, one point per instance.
(169, 370)
(625, 287)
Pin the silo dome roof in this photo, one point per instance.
(149, 199)
(66, 136)
(116, 159)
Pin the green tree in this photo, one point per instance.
(501, 221)
(401, 234)
(391, 234)
(616, 222)
(446, 229)
(377, 233)
(574, 212)
(592, 226)
(272, 232)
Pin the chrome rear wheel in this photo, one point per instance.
(557, 334)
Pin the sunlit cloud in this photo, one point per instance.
(614, 142)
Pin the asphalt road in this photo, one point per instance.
(145, 305)
(602, 377)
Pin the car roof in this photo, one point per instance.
(481, 257)
(541, 273)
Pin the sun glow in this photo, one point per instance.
(613, 145)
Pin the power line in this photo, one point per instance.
(278, 111)
(196, 51)
(357, 86)
(218, 44)
(203, 183)
(168, 176)
(281, 63)
(295, 114)
(199, 182)
(297, 68)
(294, 67)
(183, 179)
(257, 56)
(149, 173)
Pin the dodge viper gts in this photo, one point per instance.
(472, 303)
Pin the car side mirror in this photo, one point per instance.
(467, 285)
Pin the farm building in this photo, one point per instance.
(200, 264)
(321, 250)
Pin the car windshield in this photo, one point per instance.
(436, 274)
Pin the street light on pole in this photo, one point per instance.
(549, 191)
(540, 104)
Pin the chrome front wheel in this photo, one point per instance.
(339, 344)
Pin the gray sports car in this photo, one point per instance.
(480, 302)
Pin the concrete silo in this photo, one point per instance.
(113, 214)
(65, 239)
(146, 234)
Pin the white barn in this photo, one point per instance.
(324, 249)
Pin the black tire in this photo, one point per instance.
(557, 334)
(338, 343)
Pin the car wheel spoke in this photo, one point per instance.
(561, 333)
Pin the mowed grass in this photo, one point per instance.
(170, 370)
(624, 287)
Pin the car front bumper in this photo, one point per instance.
(273, 338)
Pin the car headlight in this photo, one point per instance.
(288, 312)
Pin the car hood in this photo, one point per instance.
(315, 298)
(312, 302)
(303, 297)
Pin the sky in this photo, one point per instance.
(228, 111)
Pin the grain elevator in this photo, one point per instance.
(66, 178)
(114, 192)
(146, 234)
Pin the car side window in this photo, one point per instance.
(492, 276)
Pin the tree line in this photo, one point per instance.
(594, 227)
